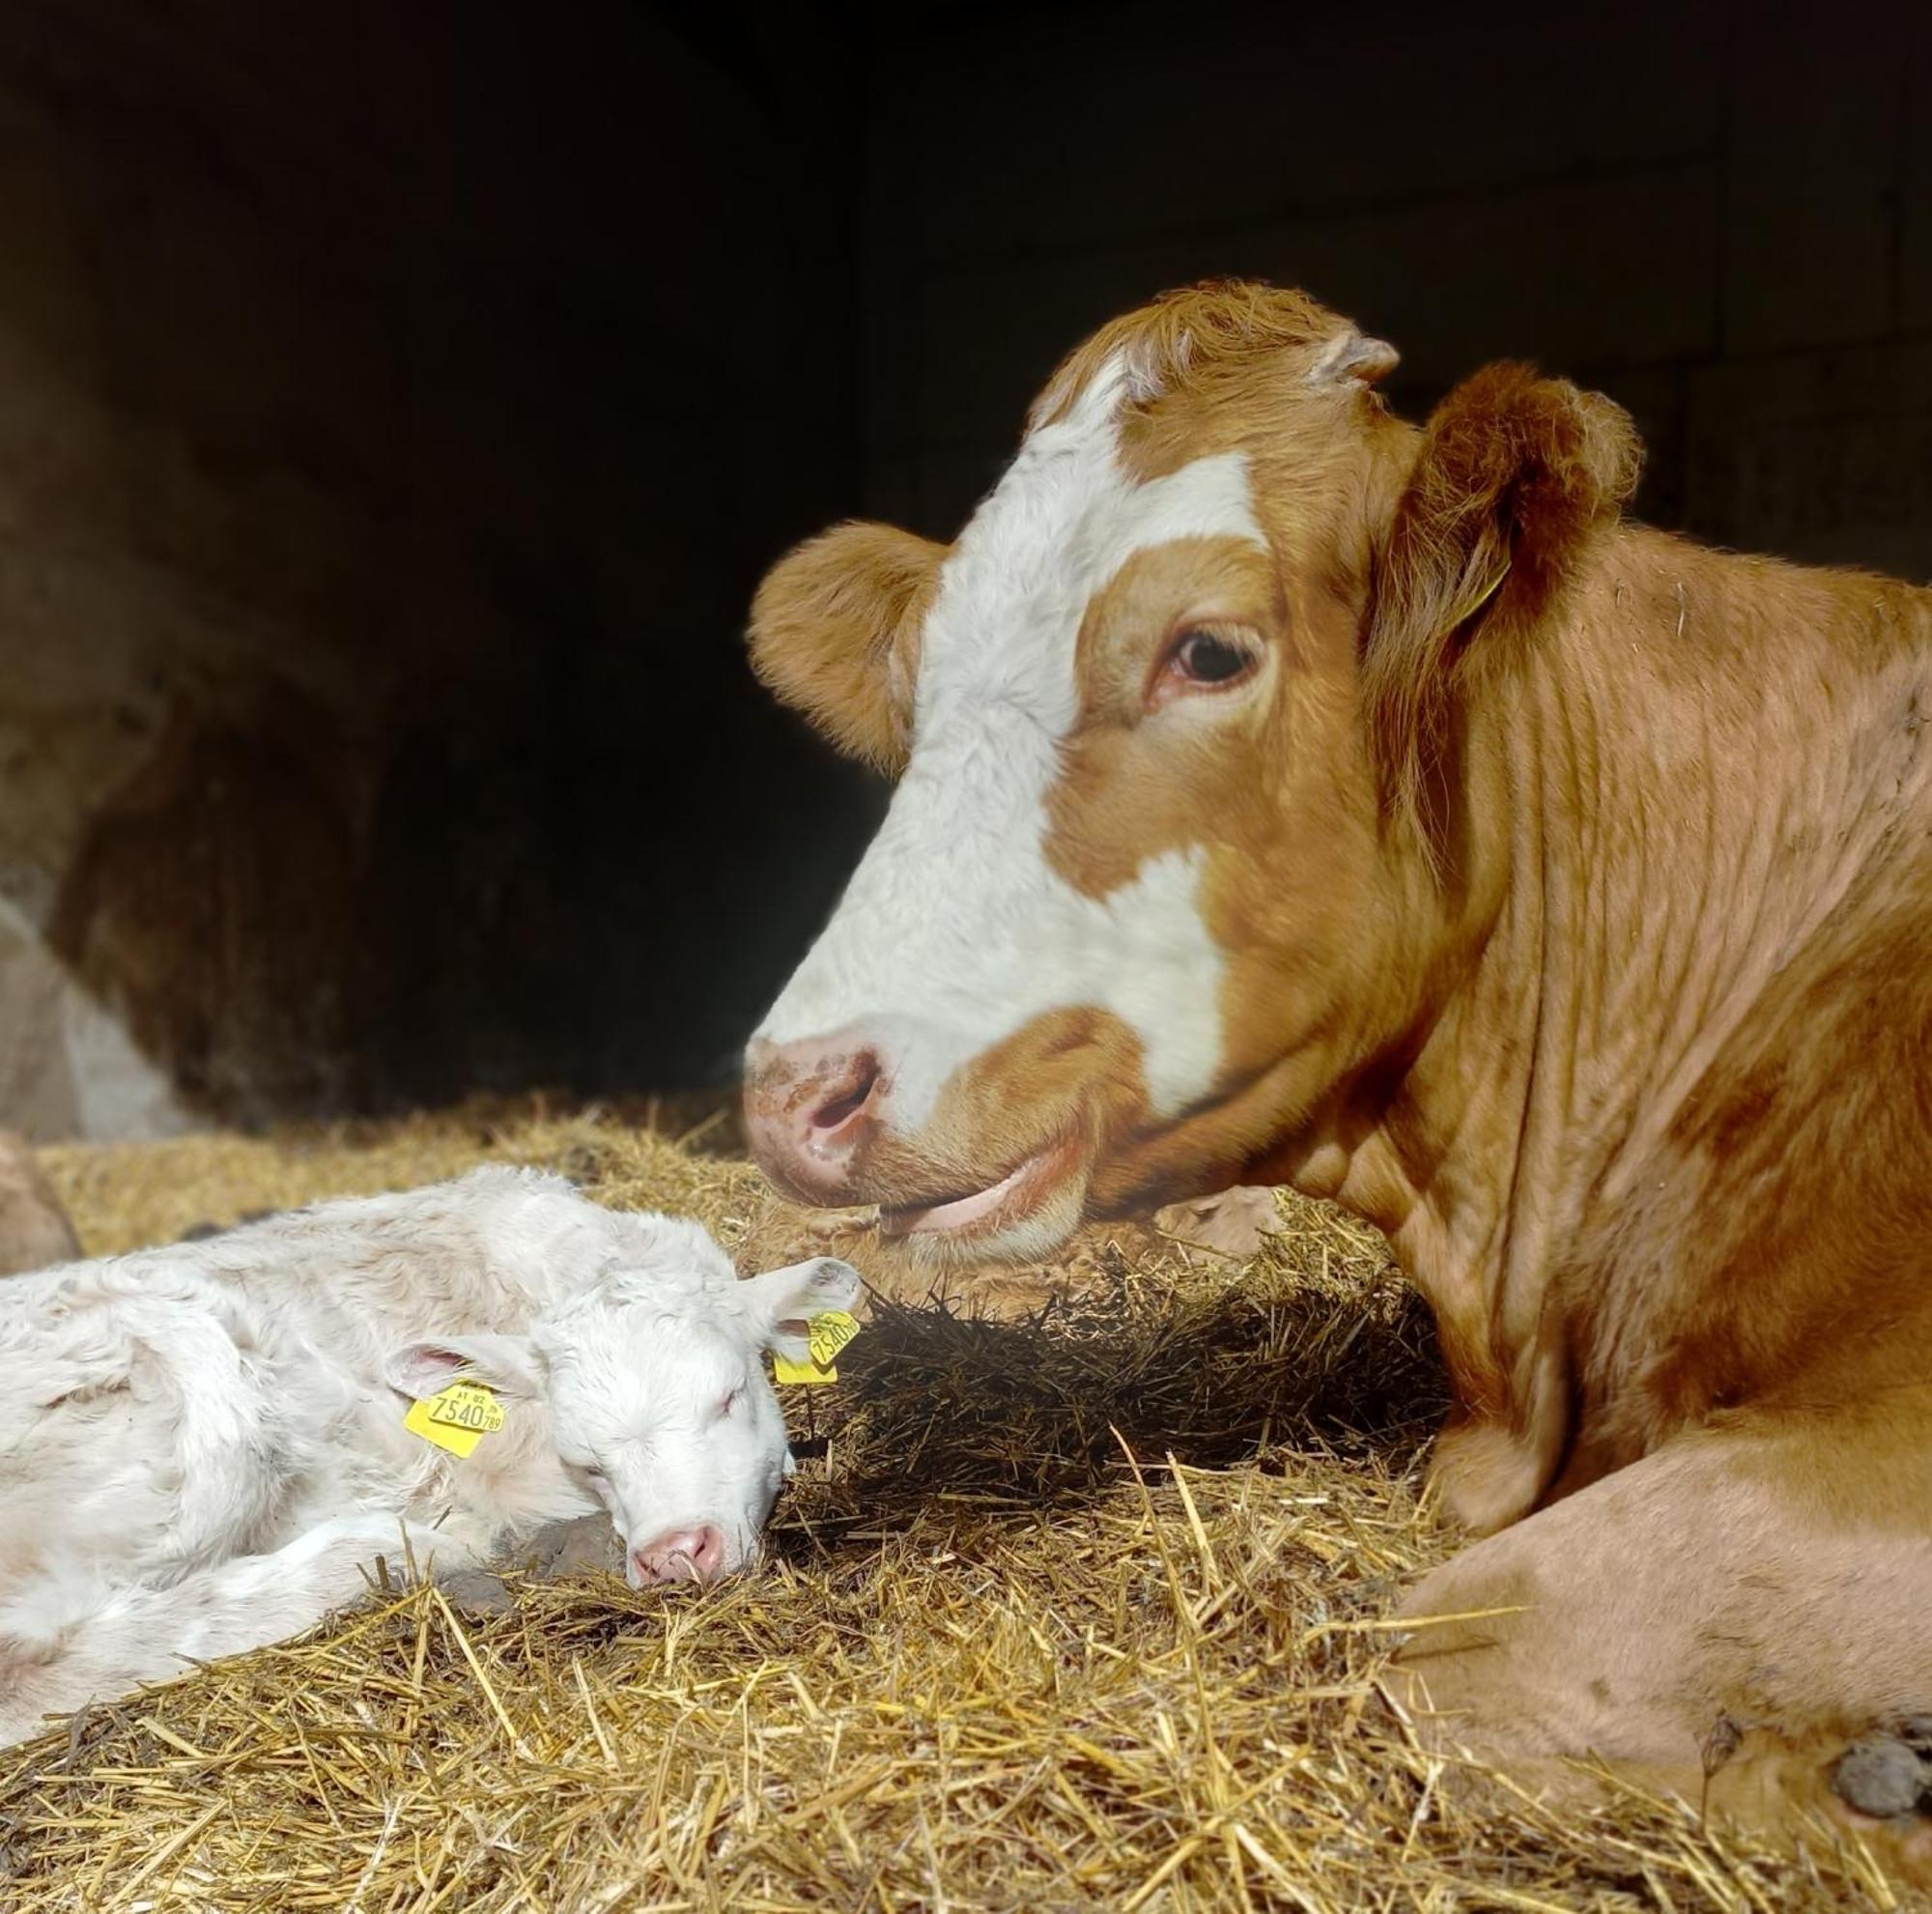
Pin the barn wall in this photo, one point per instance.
(1719, 213)
(397, 406)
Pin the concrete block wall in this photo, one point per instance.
(1719, 213)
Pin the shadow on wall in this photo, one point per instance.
(388, 451)
(254, 925)
(210, 904)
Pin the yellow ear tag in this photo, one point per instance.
(828, 1335)
(456, 1418)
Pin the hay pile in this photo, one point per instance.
(1075, 1608)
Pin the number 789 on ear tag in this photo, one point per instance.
(830, 1333)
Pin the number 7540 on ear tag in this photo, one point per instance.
(830, 1333)
(456, 1418)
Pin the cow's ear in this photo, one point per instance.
(835, 634)
(783, 1302)
(1514, 475)
(511, 1365)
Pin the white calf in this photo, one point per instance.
(202, 1447)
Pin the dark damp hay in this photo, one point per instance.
(1036, 1413)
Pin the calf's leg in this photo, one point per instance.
(1727, 1619)
(67, 1638)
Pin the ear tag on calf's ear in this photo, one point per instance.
(456, 1418)
(830, 1333)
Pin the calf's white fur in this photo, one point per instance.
(202, 1447)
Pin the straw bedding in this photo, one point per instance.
(1076, 1604)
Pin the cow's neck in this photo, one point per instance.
(1671, 810)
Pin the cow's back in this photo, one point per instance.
(138, 1423)
(184, 1403)
(180, 1405)
(485, 1252)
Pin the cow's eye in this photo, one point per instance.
(1204, 657)
(729, 1401)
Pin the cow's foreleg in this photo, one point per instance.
(1725, 1619)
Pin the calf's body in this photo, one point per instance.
(202, 1447)
(1288, 793)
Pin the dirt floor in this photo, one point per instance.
(1077, 1603)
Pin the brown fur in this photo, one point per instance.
(834, 635)
(1574, 887)
(1201, 337)
(210, 906)
(1514, 473)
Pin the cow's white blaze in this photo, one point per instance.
(955, 931)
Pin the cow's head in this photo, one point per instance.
(1168, 863)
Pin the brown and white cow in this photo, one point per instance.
(1285, 793)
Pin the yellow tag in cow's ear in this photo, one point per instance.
(456, 1418)
(828, 1335)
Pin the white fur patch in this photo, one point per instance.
(956, 931)
(200, 1445)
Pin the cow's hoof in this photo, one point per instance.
(1886, 1776)
(569, 1548)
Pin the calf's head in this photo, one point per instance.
(1168, 861)
(659, 1409)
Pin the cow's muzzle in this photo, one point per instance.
(812, 1113)
(818, 1117)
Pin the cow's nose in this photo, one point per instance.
(807, 1108)
(684, 1554)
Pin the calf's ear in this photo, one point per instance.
(834, 635)
(783, 1302)
(508, 1364)
(1514, 473)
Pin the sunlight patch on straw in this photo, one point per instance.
(1086, 1605)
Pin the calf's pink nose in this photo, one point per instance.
(684, 1554)
(808, 1108)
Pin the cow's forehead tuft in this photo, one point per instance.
(1189, 339)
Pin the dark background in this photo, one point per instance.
(399, 403)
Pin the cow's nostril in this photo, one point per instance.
(850, 1097)
(686, 1555)
(811, 1108)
